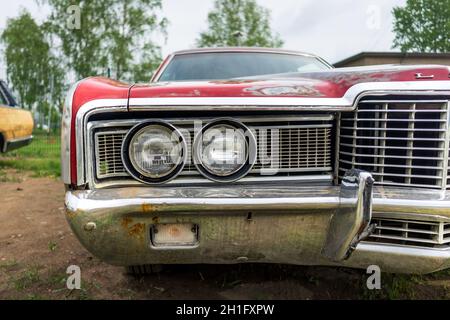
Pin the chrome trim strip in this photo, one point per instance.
(66, 130)
(406, 203)
(200, 181)
(401, 101)
(202, 200)
(370, 247)
(347, 103)
(245, 119)
(88, 109)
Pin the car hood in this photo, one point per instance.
(332, 83)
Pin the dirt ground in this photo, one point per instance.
(37, 246)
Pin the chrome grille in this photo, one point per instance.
(411, 232)
(297, 147)
(399, 142)
(108, 160)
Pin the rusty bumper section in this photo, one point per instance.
(319, 225)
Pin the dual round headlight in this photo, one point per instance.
(224, 150)
(156, 152)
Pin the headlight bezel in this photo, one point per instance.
(130, 167)
(251, 151)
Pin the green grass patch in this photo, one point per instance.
(8, 265)
(52, 246)
(40, 167)
(5, 177)
(58, 279)
(42, 156)
(393, 287)
(27, 279)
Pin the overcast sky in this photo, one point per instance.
(333, 29)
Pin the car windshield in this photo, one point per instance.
(229, 65)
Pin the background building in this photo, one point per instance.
(372, 58)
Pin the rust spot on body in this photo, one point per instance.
(146, 207)
(135, 230)
(126, 222)
(72, 214)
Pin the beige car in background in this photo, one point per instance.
(16, 124)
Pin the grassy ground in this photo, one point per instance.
(42, 156)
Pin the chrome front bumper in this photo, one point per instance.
(306, 225)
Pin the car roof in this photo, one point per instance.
(243, 49)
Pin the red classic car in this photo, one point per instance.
(234, 155)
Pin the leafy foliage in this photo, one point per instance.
(239, 23)
(115, 33)
(132, 52)
(32, 69)
(422, 25)
(81, 47)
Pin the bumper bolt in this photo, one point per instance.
(242, 259)
(90, 226)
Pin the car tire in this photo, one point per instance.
(144, 269)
